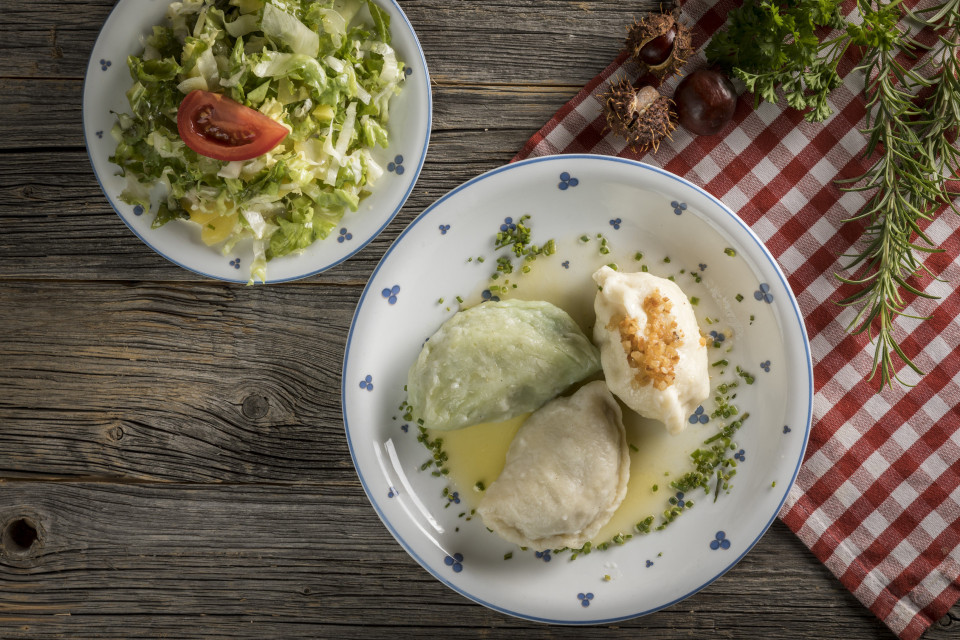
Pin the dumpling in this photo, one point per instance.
(566, 473)
(654, 357)
(496, 361)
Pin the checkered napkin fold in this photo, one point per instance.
(877, 498)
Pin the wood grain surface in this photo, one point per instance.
(172, 454)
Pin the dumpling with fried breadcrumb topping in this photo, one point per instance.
(653, 355)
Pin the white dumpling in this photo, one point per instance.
(654, 357)
(566, 473)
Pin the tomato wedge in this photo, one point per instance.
(215, 126)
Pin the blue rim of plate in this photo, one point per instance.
(360, 246)
(686, 184)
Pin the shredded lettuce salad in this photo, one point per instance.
(324, 69)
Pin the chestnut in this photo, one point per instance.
(659, 43)
(705, 101)
(657, 51)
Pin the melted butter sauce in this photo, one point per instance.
(478, 453)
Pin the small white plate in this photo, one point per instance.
(681, 231)
(104, 89)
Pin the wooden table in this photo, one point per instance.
(175, 445)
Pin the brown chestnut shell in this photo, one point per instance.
(642, 117)
(648, 39)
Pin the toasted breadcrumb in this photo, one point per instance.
(654, 354)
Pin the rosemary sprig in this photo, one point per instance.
(907, 179)
(774, 47)
(943, 105)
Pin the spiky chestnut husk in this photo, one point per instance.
(642, 117)
(655, 25)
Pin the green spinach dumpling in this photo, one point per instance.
(496, 361)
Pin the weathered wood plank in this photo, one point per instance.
(549, 42)
(56, 223)
(297, 553)
(210, 517)
(253, 561)
(39, 114)
(52, 212)
(213, 383)
(172, 366)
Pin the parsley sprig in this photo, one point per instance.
(770, 44)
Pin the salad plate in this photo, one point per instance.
(590, 211)
(104, 95)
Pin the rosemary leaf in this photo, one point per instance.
(914, 159)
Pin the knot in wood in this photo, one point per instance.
(255, 407)
(19, 536)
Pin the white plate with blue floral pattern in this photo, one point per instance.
(107, 80)
(597, 210)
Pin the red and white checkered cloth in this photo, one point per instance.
(878, 496)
